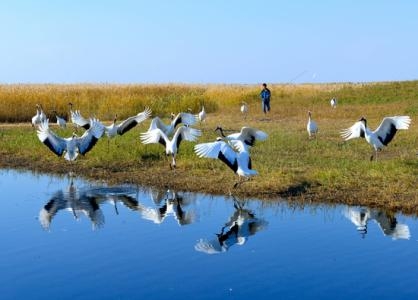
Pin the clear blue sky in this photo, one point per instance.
(213, 41)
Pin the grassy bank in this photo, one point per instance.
(290, 165)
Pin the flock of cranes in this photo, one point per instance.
(233, 150)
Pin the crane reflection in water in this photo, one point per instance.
(169, 203)
(242, 224)
(387, 222)
(86, 201)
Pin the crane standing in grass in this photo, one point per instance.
(201, 116)
(380, 137)
(244, 109)
(311, 126)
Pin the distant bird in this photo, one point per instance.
(126, 125)
(381, 136)
(247, 135)
(77, 119)
(181, 118)
(311, 127)
(73, 145)
(39, 117)
(235, 155)
(201, 116)
(171, 146)
(244, 109)
(60, 120)
(333, 102)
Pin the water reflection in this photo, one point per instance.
(169, 203)
(242, 224)
(387, 222)
(85, 202)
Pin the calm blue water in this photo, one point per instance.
(70, 239)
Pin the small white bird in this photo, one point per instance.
(201, 116)
(171, 146)
(382, 136)
(311, 127)
(247, 135)
(235, 156)
(181, 118)
(333, 102)
(60, 120)
(244, 109)
(73, 145)
(126, 125)
(78, 119)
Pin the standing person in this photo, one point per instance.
(265, 98)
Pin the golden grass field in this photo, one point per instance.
(325, 169)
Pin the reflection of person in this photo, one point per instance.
(265, 98)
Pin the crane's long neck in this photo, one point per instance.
(222, 131)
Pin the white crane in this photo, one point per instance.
(382, 136)
(73, 145)
(60, 120)
(247, 135)
(171, 146)
(113, 129)
(234, 154)
(181, 118)
(244, 109)
(311, 126)
(201, 116)
(333, 102)
(39, 117)
(77, 118)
